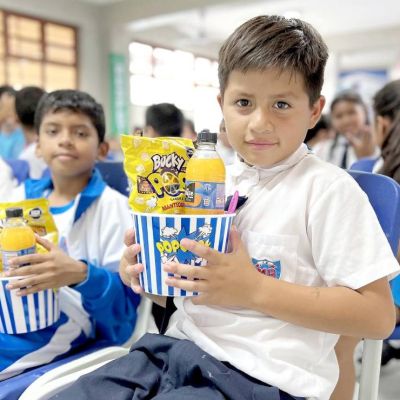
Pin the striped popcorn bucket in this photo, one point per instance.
(159, 237)
(23, 314)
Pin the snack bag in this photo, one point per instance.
(37, 216)
(156, 168)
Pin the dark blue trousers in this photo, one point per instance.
(162, 368)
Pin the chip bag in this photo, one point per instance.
(38, 217)
(156, 168)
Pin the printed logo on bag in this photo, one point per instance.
(268, 267)
(171, 250)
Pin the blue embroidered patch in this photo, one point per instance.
(267, 267)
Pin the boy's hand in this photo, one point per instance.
(46, 271)
(363, 142)
(129, 270)
(227, 279)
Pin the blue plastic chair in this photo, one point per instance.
(384, 196)
(114, 175)
(364, 164)
(20, 169)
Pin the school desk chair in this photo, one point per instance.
(20, 169)
(114, 175)
(384, 196)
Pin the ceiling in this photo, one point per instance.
(202, 30)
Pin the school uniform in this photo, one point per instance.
(100, 308)
(306, 222)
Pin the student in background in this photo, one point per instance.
(318, 134)
(349, 119)
(163, 119)
(26, 101)
(12, 140)
(7, 182)
(91, 219)
(266, 332)
(188, 130)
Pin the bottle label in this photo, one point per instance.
(205, 195)
(8, 255)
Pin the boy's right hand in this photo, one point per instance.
(129, 269)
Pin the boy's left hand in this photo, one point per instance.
(45, 271)
(227, 279)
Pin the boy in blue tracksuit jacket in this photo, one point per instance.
(91, 219)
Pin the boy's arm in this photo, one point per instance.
(231, 280)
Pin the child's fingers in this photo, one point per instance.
(28, 259)
(187, 271)
(129, 238)
(45, 243)
(185, 284)
(32, 280)
(130, 253)
(200, 250)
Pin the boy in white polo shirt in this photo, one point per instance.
(252, 335)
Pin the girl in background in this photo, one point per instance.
(349, 119)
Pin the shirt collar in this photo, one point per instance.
(36, 188)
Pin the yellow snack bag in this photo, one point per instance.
(38, 217)
(156, 168)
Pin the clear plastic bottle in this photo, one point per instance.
(205, 178)
(16, 238)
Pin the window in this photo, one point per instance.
(191, 83)
(37, 52)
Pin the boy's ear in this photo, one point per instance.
(103, 150)
(38, 150)
(219, 99)
(316, 110)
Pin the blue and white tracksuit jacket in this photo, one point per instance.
(101, 307)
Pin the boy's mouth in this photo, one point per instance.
(65, 157)
(257, 143)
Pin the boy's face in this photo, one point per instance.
(69, 144)
(267, 114)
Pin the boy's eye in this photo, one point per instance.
(281, 105)
(81, 134)
(51, 131)
(243, 103)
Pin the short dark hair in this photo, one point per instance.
(165, 118)
(387, 100)
(275, 42)
(7, 89)
(351, 97)
(26, 102)
(73, 100)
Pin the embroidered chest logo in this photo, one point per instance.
(267, 267)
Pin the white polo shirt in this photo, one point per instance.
(315, 226)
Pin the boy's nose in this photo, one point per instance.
(261, 121)
(65, 138)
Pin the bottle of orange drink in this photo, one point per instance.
(17, 238)
(205, 178)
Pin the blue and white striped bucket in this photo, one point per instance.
(23, 314)
(159, 236)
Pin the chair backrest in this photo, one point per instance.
(114, 175)
(384, 196)
(20, 169)
(364, 164)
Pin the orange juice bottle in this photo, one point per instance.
(205, 178)
(16, 238)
